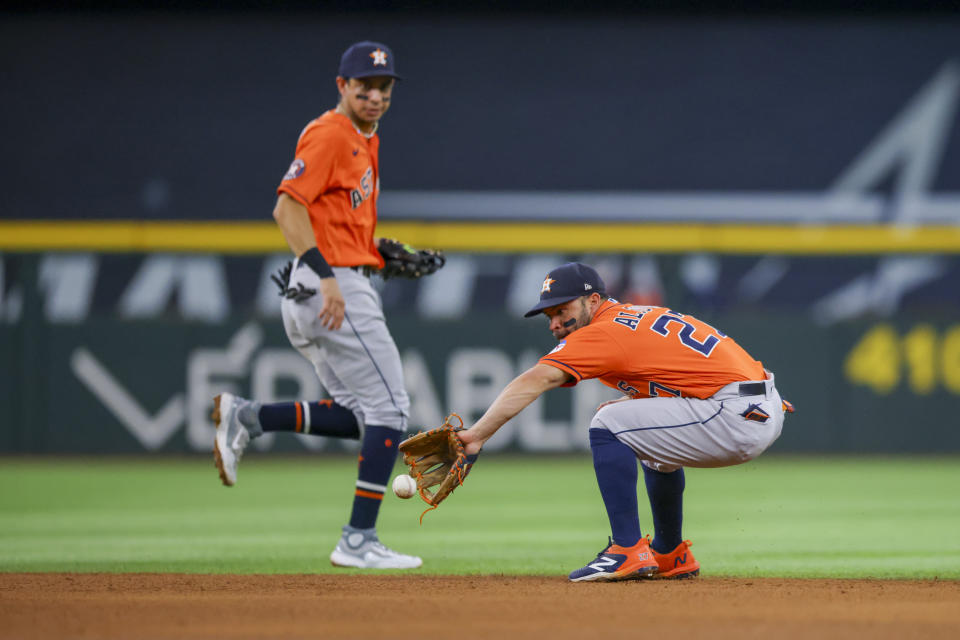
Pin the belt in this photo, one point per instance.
(364, 269)
(753, 388)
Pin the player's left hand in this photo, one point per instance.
(471, 441)
(400, 260)
(438, 461)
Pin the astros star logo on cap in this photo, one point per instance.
(379, 57)
(546, 284)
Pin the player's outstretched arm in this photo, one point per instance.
(514, 398)
(294, 222)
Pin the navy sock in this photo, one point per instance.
(616, 467)
(665, 491)
(324, 418)
(377, 454)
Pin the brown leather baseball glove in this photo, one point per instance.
(436, 459)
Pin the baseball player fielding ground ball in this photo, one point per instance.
(692, 398)
(326, 209)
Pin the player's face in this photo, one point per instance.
(568, 317)
(365, 100)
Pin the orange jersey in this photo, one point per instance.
(652, 351)
(335, 176)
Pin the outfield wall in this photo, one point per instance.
(793, 181)
(122, 352)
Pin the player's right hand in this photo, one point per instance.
(331, 314)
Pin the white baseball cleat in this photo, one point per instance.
(232, 437)
(362, 549)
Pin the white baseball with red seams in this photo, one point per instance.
(404, 486)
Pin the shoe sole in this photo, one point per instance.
(645, 573)
(347, 562)
(217, 458)
(679, 576)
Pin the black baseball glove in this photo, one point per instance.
(403, 261)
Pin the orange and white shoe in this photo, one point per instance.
(619, 563)
(677, 564)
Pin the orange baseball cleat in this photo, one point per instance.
(619, 563)
(677, 564)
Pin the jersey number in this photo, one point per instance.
(662, 326)
(658, 390)
(628, 389)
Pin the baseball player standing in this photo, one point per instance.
(326, 209)
(692, 397)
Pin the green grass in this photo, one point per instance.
(798, 517)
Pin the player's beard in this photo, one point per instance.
(580, 319)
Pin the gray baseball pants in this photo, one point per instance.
(669, 433)
(358, 364)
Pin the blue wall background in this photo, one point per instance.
(167, 115)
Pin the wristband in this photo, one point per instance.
(314, 259)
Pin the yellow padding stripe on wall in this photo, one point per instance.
(243, 237)
(265, 237)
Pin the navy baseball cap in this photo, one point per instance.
(366, 59)
(565, 283)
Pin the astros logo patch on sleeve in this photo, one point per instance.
(295, 170)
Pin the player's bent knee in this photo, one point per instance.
(391, 411)
(390, 418)
(600, 420)
(600, 436)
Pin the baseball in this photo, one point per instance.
(404, 486)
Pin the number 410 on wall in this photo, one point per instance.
(882, 356)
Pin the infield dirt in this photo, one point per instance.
(48, 605)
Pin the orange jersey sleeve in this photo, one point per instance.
(335, 176)
(653, 351)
